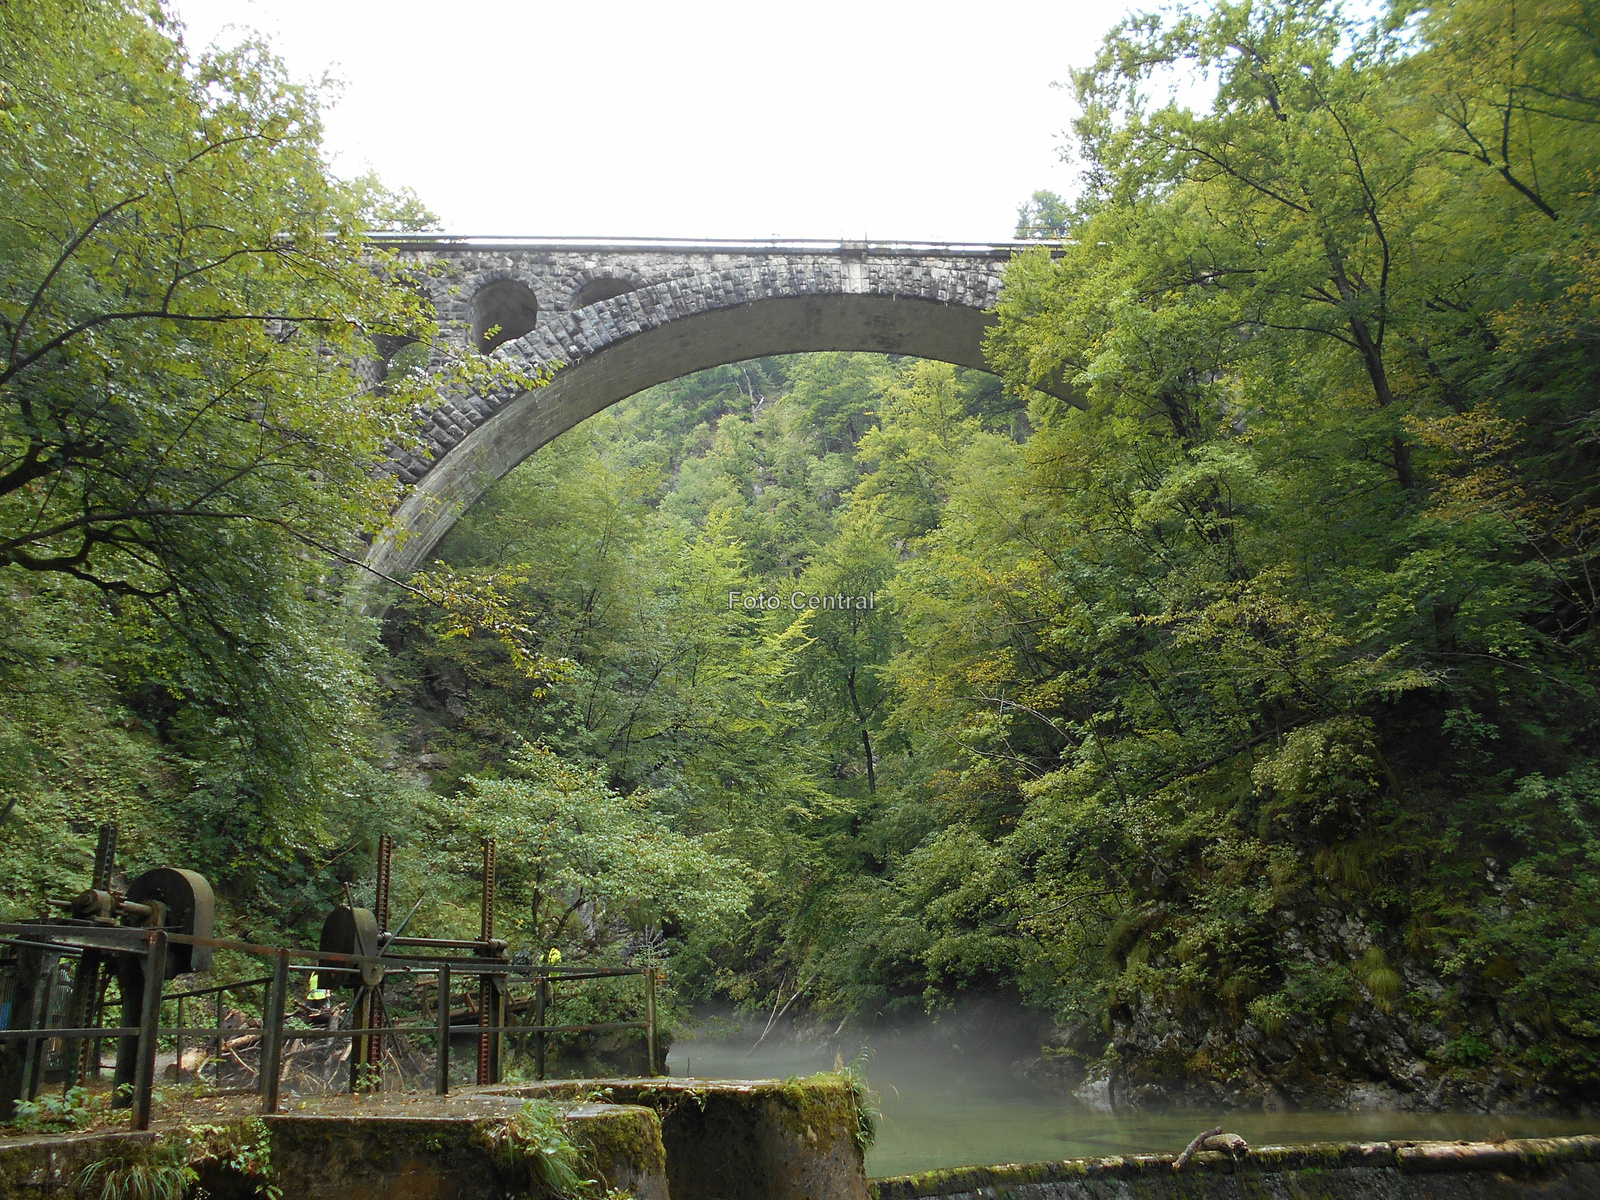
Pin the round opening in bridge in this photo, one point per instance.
(597, 290)
(501, 311)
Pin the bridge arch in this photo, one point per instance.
(931, 302)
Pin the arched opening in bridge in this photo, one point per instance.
(607, 287)
(501, 312)
(398, 355)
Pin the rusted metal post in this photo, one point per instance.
(99, 1019)
(84, 1012)
(373, 1058)
(497, 1042)
(487, 992)
(217, 1073)
(105, 858)
(441, 1082)
(15, 1056)
(272, 1033)
(144, 1070)
(373, 1063)
(81, 1015)
(650, 1019)
(360, 1008)
(540, 1001)
(47, 992)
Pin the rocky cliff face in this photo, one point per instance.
(1425, 1043)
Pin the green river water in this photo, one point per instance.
(946, 1107)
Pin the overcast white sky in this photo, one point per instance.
(699, 118)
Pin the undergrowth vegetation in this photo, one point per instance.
(535, 1151)
(170, 1166)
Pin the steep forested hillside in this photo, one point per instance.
(1240, 718)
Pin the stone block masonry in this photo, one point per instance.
(729, 1139)
(613, 318)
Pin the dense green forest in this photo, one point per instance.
(1240, 719)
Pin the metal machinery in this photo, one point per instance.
(160, 925)
(362, 932)
(167, 899)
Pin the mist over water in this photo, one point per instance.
(953, 1094)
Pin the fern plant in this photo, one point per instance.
(533, 1148)
(158, 1170)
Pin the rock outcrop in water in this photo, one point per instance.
(1362, 1057)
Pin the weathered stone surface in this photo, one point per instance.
(745, 1140)
(1550, 1169)
(32, 1168)
(438, 1150)
(686, 307)
(380, 1156)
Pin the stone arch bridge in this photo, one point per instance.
(619, 316)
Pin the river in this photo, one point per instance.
(951, 1098)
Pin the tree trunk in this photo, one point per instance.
(861, 723)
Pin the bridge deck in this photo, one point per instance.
(845, 248)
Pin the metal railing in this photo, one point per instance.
(150, 947)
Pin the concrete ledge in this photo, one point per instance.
(744, 1139)
(49, 1165)
(1552, 1168)
(376, 1152)
(380, 1156)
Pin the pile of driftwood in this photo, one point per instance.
(310, 1065)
